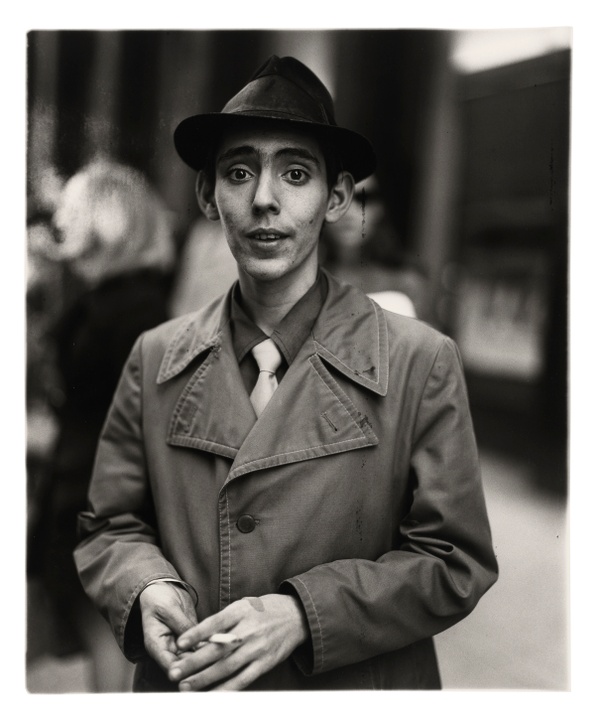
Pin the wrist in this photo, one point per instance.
(159, 590)
(301, 628)
(183, 588)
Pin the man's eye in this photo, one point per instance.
(297, 176)
(239, 174)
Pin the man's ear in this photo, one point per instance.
(205, 194)
(340, 197)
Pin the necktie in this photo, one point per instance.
(268, 360)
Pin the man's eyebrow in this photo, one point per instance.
(299, 152)
(248, 150)
(233, 152)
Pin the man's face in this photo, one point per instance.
(272, 197)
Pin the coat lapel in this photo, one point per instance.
(309, 416)
(213, 413)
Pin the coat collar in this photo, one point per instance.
(199, 331)
(350, 334)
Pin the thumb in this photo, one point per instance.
(170, 604)
(180, 614)
(166, 613)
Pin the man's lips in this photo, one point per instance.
(266, 235)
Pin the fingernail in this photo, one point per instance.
(185, 687)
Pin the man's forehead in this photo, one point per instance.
(268, 140)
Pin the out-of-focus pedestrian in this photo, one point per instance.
(114, 234)
(364, 250)
(206, 268)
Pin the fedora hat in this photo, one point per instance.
(285, 90)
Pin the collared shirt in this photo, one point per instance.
(289, 335)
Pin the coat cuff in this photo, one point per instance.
(309, 656)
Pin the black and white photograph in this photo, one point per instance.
(297, 393)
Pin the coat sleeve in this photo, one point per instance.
(444, 563)
(118, 553)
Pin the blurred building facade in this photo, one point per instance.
(510, 282)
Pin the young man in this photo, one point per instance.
(291, 466)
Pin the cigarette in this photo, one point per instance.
(224, 639)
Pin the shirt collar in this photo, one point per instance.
(290, 334)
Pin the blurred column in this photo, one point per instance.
(198, 72)
(102, 106)
(437, 179)
(183, 88)
(43, 120)
(316, 49)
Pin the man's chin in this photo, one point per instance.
(266, 270)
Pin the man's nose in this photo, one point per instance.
(265, 196)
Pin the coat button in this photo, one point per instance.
(246, 523)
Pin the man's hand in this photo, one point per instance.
(167, 611)
(270, 628)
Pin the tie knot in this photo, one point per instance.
(267, 356)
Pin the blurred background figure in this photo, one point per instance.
(364, 250)
(45, 298)
(115, 242)
(206, 268)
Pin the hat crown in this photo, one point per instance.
(284, 88)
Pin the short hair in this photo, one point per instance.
(110, 220)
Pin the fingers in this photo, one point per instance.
(159, 643)
(178, 620)
(241, 680)
(269, 627)
(170, 604)
(167, 610)
(190, 664)
(214, 669)
(216, 624)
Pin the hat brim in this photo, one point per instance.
(195, 136)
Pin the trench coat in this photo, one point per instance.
(358, 490)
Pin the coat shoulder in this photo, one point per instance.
(409, 333)
(163, 334)
(203, 322)
(169, 347)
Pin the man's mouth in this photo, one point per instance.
(266, 235)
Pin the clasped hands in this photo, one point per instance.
(269, 629)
